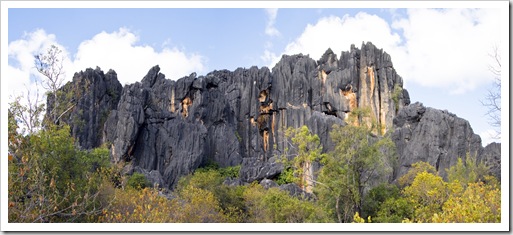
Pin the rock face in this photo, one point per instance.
(491, 156)
(166, 129)
(85, 104)
(439, 138)
(239, 117)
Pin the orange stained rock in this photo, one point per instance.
(186, 103)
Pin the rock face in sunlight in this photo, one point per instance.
(435, 136)
(166, 129)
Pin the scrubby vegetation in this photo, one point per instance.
(51, 180)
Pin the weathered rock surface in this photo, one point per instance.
(239, 117)
(166, 129)
(491, 156)
(85, 104)
(439, 138)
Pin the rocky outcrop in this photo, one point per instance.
(239, 117)
(166, 129)
(85, 103)
(491, 156)
(439, 138)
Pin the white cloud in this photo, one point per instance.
(118, 51)
(445, 48)
(338, 34)
(448, 48)
(271, 19)
(270, 58)
(23, 74)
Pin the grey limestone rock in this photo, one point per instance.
(434, 136)
(167, 129)
(491, 156)
(85, 103)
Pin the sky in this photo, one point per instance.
(442, 54)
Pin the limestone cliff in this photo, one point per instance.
(85, 103)
(167, 129)
(439, 138)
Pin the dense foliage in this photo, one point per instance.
(51, 180)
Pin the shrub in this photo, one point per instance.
(138, 181)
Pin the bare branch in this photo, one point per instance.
(50, 65)
(492, 100)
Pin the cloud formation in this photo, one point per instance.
(117, 50)
(443, 48)
(449, 47)
(270, 30)
(22, 72)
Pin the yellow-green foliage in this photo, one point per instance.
(428, 192)
(196, 205)
(395, 95)
(479, 203)
(468, 171)
(277, 206)
(50, 180)
(138, 206)
(416, 168)
(469, 196)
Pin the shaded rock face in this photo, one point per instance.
(86, 103)
(439, 138)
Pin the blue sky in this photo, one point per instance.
(440, 53)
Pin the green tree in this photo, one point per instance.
(357, 158)
(28, 117)
(376, 197)
(305, 148)
(427, 193)
(50, 180)
(467, 172)
(395, 210)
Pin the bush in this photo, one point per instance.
(138, 181)
(231, 171)
(375, 198)
(286, 177)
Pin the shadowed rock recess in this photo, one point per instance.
(167, 129)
